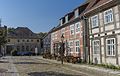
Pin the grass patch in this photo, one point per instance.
(108, 66)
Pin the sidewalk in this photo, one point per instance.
(96, 71)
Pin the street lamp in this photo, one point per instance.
(62, 48)
(62, 38)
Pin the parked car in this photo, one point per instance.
(24, 53)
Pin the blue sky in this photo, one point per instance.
(38, 15)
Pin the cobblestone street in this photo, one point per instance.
(31, 66)
(37, 66)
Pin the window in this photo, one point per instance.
(52, 36)
(71, 46)
(76, 13)
(18, 48)
(66, 18)
(8, 40)
(108, 16)
(71, 43)
(110, 46)
(61, 22)
(96, 46)
(27, 40)
(37, 40)
(94, 21)
(23, 48)
(72, 29)
(55, 35)
(77, 46)
(77, 27)
(27, 48)
(23, 40)
(18, 40)
(63, 31)
(31, 40)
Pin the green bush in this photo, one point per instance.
(109, 66)
(118, 67)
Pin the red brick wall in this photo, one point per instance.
(69, 37)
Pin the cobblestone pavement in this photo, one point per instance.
(89, 70)
(30, 66)
(7, 67)
(37, 66)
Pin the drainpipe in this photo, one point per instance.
(86, 40)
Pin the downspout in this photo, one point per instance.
(86, 40)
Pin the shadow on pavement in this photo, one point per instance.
(3, 70)
(31, 63)
(49, 73)
(4, 61)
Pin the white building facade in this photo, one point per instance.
(104, 32)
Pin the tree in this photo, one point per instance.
(41, 34)
(11, 30)
(3, 35)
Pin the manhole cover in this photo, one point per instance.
(2, 70)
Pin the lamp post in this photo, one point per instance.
(62, 48)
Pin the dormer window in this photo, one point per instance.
(61, 22)
(66, 18)
(76, 13)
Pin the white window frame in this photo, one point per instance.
(53, 36)
(108, 14)
(71, 46)
(76, 13)
(77, 46)
(66, 19)
(61, 22)
(63, 31)
(94, 21)
(97, 51)
(72, 29)
(112, 50)
(77, 27)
